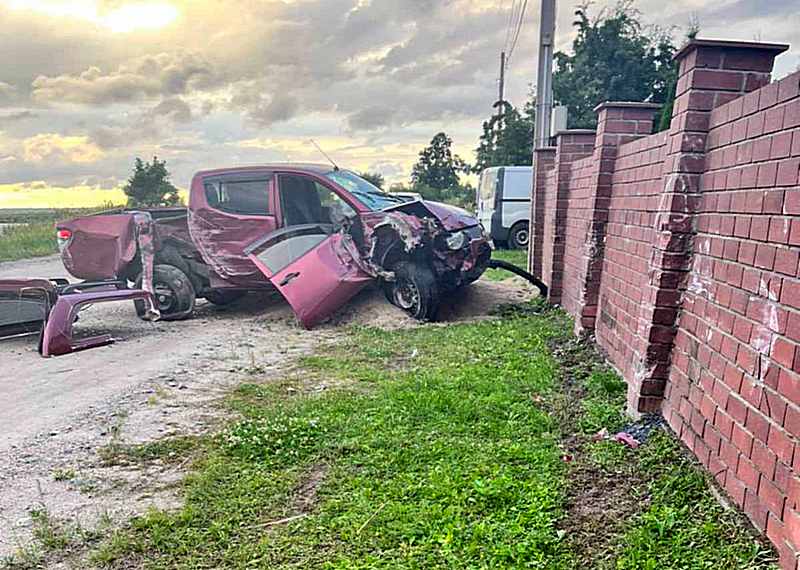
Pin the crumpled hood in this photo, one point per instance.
(450, 217)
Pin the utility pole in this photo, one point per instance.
(544, 83)
(502, 78)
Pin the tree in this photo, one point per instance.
(614, 59)
(507, 138)
(374, 178)
(149, 186)
(437, 166)
(435, 176)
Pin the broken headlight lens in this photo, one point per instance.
(457, 241)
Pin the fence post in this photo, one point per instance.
(571, 145)
(617, 123)
(711, 73)
(544, 163)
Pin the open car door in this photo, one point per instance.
(312, 266)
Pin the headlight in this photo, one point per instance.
(457, 241)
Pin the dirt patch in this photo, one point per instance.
(600, 500)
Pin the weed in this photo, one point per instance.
(63, 474)
(117, 453)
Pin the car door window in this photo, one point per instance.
(306, 201)
(243, 197)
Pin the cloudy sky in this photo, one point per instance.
(87, 85)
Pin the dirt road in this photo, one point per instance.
(159, 379)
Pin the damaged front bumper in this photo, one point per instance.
(52, 306)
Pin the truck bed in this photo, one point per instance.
(104, 246)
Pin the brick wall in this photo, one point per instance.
(734, 388)
(680, 253)
(635, 197)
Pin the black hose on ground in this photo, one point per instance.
(499, 264)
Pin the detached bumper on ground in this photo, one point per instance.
(51, 307)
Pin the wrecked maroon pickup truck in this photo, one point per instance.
(316, 233)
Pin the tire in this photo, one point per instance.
(221, 297)
(414, 290)
(175, 294)
(519, 236)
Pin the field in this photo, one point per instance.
(35, 235)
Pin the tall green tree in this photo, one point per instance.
(438, 167)
(149, 185)
(436, 174)
(507, 138)
(614, 58)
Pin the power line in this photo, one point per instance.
(520, 24)
(510, 25)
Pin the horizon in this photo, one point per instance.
(370, 81)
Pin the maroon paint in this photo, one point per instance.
(321, 281)
(221, 236)
(57, 333)
(101, 247)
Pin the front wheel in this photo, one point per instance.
(414, 290)
(174, 293)
(519, 236)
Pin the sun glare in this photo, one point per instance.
(126, 17)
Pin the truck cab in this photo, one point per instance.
(504, 204)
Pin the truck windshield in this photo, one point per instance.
(368, 194)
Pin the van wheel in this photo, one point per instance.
(519, 236)
(222, 297)
(174, 292)
(414, 290)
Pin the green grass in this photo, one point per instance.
(38, 237)
(33, 240)
(684, 526)
(436, 447)
(516, 256)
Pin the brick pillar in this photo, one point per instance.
(571, 145)
(711, 73)
(617, 123)
(544, 162)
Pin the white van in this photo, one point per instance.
(504, 204)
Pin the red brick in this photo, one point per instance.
(780, 443)
(742, 439)
(755, 509)
(789, 386)
(747, 473)
(790, 294)
(758, 425)
(787, 262)
(772, 497)
(783, 352)
(792, 521)
(736, 490)
(788, 172)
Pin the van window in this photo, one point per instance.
(244, 197)
(518, 185)
(488, 184)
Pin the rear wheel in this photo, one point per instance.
(174, 293)
(519, 236)
(222, 297)
(414, 290)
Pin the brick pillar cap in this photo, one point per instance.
(576, 132)
(762, 46)
(626, 105)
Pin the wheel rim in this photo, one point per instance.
(522, 237)
(165, 298)
(406, 295)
